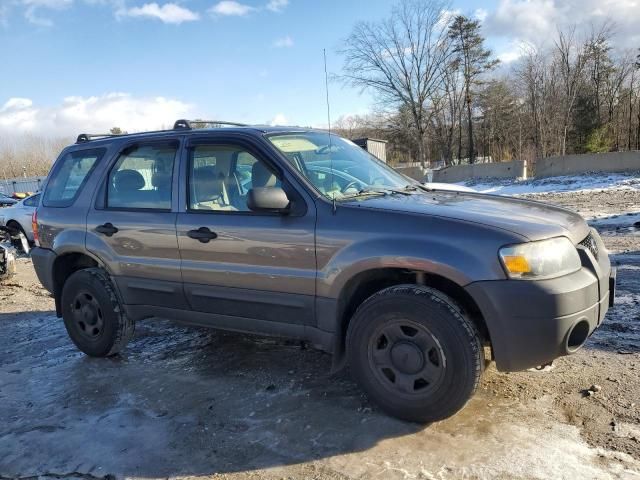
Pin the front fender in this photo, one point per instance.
(446, 260)
(462, 257)
(356, 240)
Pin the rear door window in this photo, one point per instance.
(69, 176)
(142, 178)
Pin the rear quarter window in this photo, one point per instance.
(69, 176)
(32, 201)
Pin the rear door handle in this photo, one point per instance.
(203, 235)
(107, 229)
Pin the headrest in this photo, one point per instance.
(161, 180)
(261, 176)
(208, 184)
(128, 180)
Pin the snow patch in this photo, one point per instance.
(569, 183)
(628, 219)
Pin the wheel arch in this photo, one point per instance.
(366, 283)
(12, 221)
(66, 265)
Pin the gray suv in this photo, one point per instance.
(298, 233)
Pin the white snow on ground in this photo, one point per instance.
(627, 299)
(608, 220)
(571, 183)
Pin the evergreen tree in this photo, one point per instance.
(475, 59)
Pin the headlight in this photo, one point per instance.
(539, 260)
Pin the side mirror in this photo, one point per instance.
(268, 199)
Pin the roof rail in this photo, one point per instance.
(183, 124)
(87, 137)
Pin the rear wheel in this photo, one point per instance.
(415, 353)
(18, 228)
(92, 314)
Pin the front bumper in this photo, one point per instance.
(531, 323)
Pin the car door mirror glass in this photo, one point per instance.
(268, 199)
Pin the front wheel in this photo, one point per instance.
(415, 353)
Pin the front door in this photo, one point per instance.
(246, 267)
(132, 226)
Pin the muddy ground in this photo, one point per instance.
(186, 402)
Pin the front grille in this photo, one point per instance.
(590, 244)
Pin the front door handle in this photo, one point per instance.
(107, 229)
(203, 235)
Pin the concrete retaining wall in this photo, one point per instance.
(460, 173)
(589, 162)
(416, 172)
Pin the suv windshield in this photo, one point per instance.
(338, 168)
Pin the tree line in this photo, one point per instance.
(28, 155)
(443, 98)
(31, 155)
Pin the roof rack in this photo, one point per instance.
(183, 124)
(87, 137)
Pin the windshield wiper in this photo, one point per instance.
(365, 192)
(377, 191)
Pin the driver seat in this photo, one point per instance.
(262, 177)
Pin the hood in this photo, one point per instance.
(533, 220)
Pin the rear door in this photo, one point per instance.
(132, 225)
(253, 267)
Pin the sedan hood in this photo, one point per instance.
(533, 220)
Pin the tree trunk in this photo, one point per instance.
(470, 127)
(638, 130)
(448, 146)
(459, 136)
(422, 157)
(630, 116)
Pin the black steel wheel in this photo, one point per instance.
(92, 314)
(415, 353)
(87, 315)
(406, 358)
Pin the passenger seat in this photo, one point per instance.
(209, 190)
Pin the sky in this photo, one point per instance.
(68, 66)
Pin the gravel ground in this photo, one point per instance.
(187, 402)
(614, 213)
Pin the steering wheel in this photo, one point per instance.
(352, 184)
(323, 150)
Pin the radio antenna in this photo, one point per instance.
(326, 86)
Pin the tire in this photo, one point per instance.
(415, 353)
(16, 243)
(92, 314)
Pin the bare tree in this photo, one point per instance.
(531, 77)
(599, 61)
(28, 154)
(401, 59)
(571, 57)
(448, 106)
